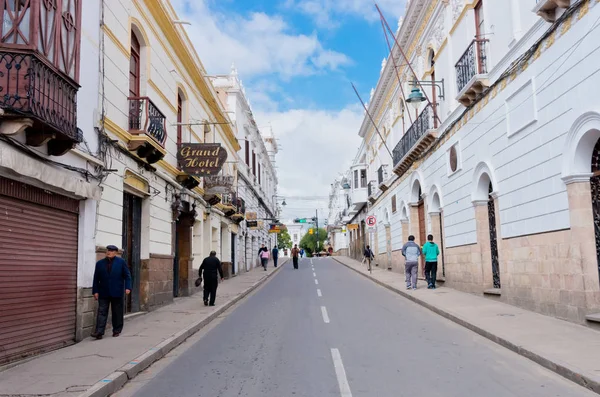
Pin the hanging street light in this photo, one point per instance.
(415, 98)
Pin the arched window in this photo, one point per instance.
(134, 67)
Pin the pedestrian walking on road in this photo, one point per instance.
(411, 252)
(295, 253)
(302, 253)
(112, 280)
(369, 256)
(275, 255)
(211, 266)
(264, 258)
(431, 251)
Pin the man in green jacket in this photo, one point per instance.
(431, 252)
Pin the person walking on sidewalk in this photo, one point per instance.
(112, 280)
(295, 253)
(302, 253)
(211, 266)
(431, 251)
(411, 252)
(275, 255)
(264, 258)
(260, 251)
(369, 256)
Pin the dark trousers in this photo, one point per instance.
(116, 305)
(431, 273)
(275, 260)
(210, 290)
(295, 260)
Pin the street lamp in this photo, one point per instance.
(416, 96)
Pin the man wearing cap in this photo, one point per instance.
(112, 280)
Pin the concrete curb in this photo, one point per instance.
(561, 369)
(116, 380)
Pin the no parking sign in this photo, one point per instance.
(371, 222)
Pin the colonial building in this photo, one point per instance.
(155, 99)
(49, 180)
(490, 116)
(256, 175)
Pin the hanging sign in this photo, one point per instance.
(277, 228)
(251, 220)
(352, 226)
(218, 184)
(201, 159)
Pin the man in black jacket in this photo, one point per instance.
(212, 269)
(112, 280)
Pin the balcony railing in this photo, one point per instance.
(146, 118)
(472, 62)
(417, 130)
(31, 88)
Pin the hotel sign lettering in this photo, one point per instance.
(201, 159)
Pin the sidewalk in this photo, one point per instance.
(99, 368)
(570, 350)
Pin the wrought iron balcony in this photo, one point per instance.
(39, 70)
(228, 203)
(471, 72)
(146, 118)
(30, 88)
(149, 127)
(417, 139)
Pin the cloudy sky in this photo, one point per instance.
(297, 59)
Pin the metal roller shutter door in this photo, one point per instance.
(38, 271)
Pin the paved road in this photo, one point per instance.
(356, 339)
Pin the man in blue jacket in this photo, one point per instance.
(112, 280)
(411, 252)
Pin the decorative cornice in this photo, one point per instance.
(479, 203)
(577, 178)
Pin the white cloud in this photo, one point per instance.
(326, 13)
(258, 43)
(316, 145)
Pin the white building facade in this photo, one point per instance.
(500, 163)
(256, 174)
(155, 97)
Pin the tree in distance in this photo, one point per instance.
(313, 243)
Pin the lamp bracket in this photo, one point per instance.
(437, 83)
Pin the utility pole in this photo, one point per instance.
(317, 222)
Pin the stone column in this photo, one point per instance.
(583, 241)
(405, 230)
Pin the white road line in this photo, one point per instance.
(314, 274)
(319, 293)
(316, 281)
(340, 373)
(311, 261)
(325, 315)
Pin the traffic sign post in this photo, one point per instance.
(371, 221)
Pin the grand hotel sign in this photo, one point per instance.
(201, 159)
